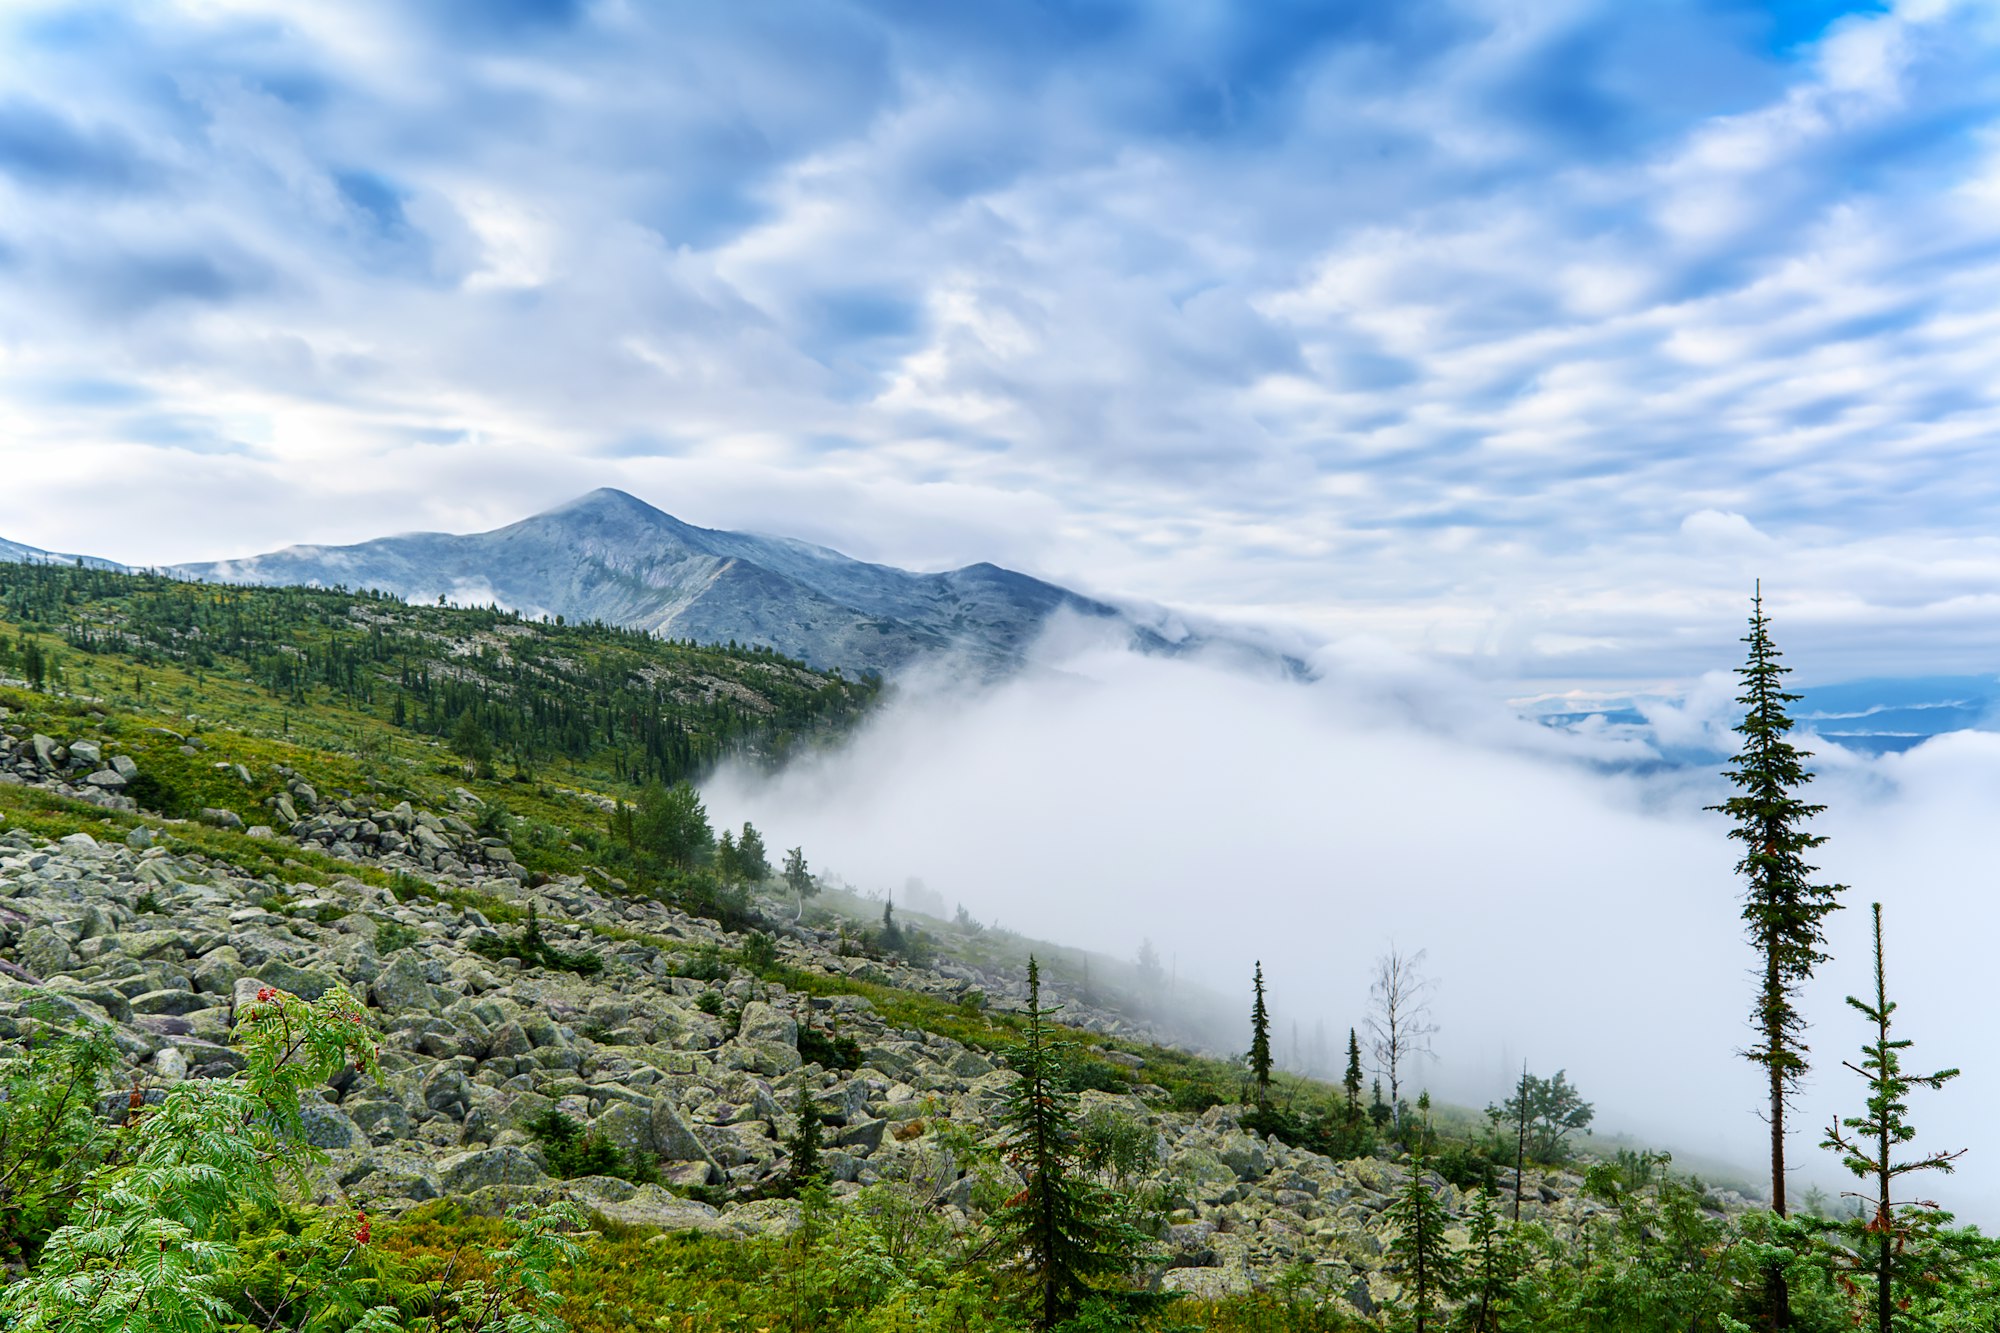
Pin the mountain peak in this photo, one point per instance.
(605, 500)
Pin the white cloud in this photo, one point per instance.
(1574, 919)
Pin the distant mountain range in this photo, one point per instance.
(611, 557)
(1881, 716)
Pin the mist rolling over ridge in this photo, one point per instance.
(1576, 915)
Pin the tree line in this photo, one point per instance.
(492, 683)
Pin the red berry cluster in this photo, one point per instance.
(266, 994)
(361, 1231)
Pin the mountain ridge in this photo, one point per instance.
(610, 556)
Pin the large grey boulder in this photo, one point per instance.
(628, 1128)
(400, 988)
(330, 1127)
(489, 1166)
(1244, 1155)
(308, 983)
(447, 1092)
(675, 1142)
(653, 1206)
(382, 1121)
(766, 1023)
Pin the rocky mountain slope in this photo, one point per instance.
(675, 1045)
(611, 557)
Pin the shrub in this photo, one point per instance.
(532, 949)
(827, 1050)
(572, 1150)
(760, 951)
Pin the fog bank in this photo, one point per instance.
(1573, 917)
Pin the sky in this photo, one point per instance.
(1523, 334)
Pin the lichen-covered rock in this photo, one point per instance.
(489, 1166)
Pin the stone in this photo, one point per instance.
(655, 1206)
(864, 1136)
(44, 952)
(124, 766)
(218, 971)
(176, 1002)
(381, 1121)
(105, 779)
(227, 819)
(243, 994)
(330, 1127)
(469, 1171)
(447, 1092)
(1245, 1156)
(672, 1139)
(508, 1039)
(766, 1023)
(1206, 1284)
(308, 983)
(627, 1127)
(140, 838)
(769, 1058)
(86, 752)
(169, 1065)
(400, 988)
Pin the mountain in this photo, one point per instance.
(609, 556)
(14, 553)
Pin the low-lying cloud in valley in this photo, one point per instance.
(1579, 911)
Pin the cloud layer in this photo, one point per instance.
(1572, 918)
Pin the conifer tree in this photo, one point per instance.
(1494, 1263)
(1378, 1110)
(751, 858)
(1260, 1039)
(1430, 1269)
(1065, 1229)
(804, 1146)
(1892, 1252)
(1350, 1082)
(1782, 907)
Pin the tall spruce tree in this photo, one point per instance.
(1260, 1039)
(1782, 905)
(1494, 1263)
(1065, 1229)
(1429, 1268)
(1350, 1082)
(805, 1144)
(1892, 1245)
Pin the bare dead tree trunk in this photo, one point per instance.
(1399, 1024)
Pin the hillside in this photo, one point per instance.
(678, 1043)
(366, 673)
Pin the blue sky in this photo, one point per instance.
(1526, 333)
